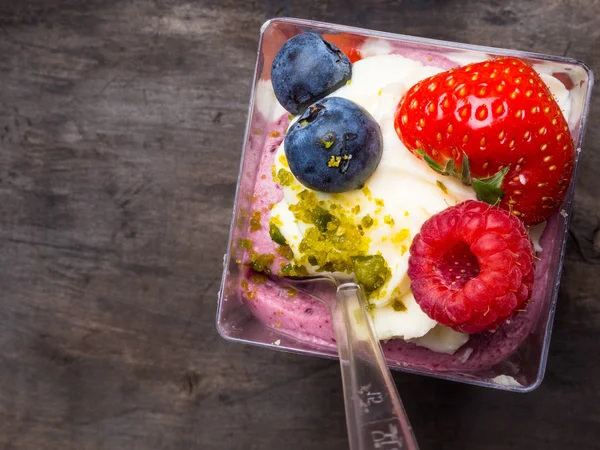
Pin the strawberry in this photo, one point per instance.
(348, 43)
(495, 126)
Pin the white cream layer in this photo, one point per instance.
(409, 190)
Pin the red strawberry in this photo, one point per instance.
(348, 43)
(471, 266)
(496, 125)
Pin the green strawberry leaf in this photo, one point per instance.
(451, 169)
(466, 170)
(431, 162)
(488, 189)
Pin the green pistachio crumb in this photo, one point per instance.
(245, 243)
(371, 271)
(261, 262)
(322, 220)
(285, 251)
(284, 177)
(442, 186)
(275, 234)
(398, 305)
(389, 220)
(334, 161)
(258, 278)
(334, 237)
(327, 144)
(255, 221)
(293, 270)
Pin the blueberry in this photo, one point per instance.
(306, 69)
(334, 146)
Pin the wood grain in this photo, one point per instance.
(121, 126)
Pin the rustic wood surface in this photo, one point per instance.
(121, 126)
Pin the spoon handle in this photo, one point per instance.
(374, 414)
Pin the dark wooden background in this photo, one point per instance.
(121, 126)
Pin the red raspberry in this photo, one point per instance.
(471, 266)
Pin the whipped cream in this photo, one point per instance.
(402, 193)
(506, 380)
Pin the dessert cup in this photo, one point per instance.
(511, 358)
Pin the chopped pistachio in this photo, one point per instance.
(401, 236)
(275, 234)
(261, 262)
(255, 221)
(371, 271)
(334, 161)
(367, 221)
(258, 278)
(442, 186)
(285, 251)
(245, 243)
(284, 177)
(283, 161)
(293, 270)
(327, 144)
(335, 237)
(398, 305)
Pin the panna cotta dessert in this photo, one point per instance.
(428, 177)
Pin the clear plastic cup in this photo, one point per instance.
(523, 369)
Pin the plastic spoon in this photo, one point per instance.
(375, 416)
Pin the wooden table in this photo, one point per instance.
(121, 127)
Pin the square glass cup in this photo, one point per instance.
(523, 370)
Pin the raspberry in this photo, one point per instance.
(471, 266)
